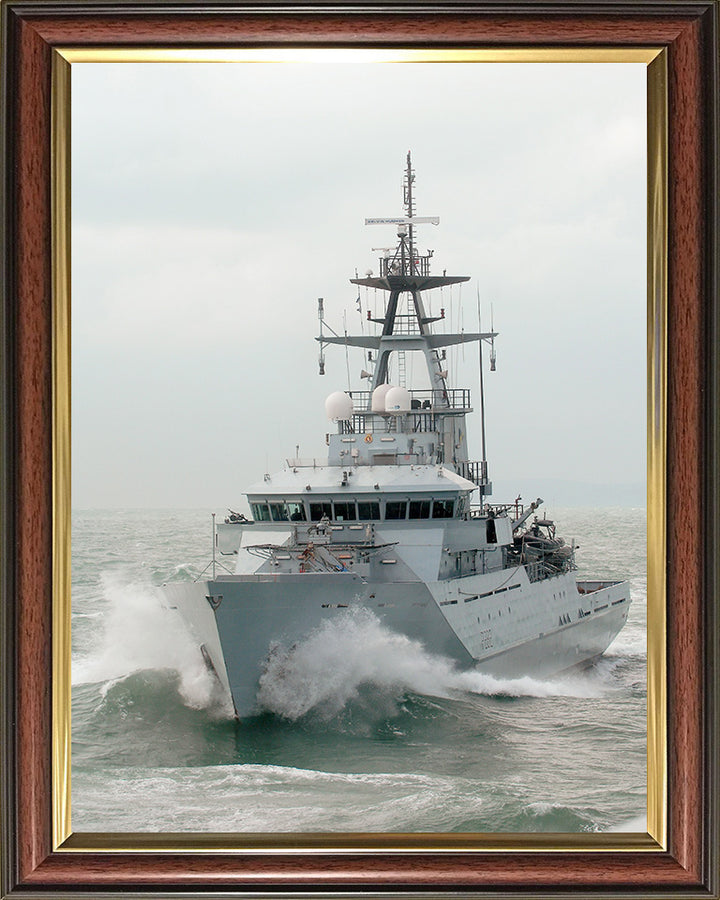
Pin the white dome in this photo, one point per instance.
(397, 400)
(339, 406)
(378, 397)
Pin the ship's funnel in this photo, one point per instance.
(398, 400)
(339, 406)
(378, 397)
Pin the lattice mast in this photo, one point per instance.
(404, 272)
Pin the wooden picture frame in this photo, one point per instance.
(684, 863)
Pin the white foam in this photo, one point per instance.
(139, 633)
(324, 672)
(271, 799)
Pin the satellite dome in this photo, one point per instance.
(339, 406)
(378, 397)
(397, 400)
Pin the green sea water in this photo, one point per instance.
(397, 743)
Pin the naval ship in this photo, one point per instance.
(397, 520)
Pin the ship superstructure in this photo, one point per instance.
(389, 521)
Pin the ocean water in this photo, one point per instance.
(367, 732)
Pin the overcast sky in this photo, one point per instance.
(212, 204)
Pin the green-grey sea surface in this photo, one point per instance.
(389, 738)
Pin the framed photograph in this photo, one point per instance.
(148, 119)
(170, 328)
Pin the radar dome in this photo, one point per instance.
(378, 397)
(397, 400)
(339, 406)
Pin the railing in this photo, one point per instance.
(456, 399)
(476, 472)
(366, 424)
(306, 462)
(539, 570)
(373, 423)
(514, 509)
(392, 265)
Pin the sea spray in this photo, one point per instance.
(325, 672)
(139, 633)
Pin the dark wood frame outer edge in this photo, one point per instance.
(689, 31)
(711, 521)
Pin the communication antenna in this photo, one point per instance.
(482, 386)
(321, 318)
(321, 338)
(403, 260)
(214, 537)
(410, 208)
(492, 340)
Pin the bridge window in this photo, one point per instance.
(419, 509)
(368, 510)
(297, 511)
(278, 512)
(443, 509)
(318, 510)
(395, 509)
(345, 512)
(260, 512)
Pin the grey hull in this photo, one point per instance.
(239, 619)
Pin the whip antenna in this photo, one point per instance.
(492, 340)
(482, 387)
(321, 319)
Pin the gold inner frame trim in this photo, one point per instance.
(657, 257)
(655, 839)
(61, 447)
(359, 55)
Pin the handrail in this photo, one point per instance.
(430, 400)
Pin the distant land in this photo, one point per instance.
(557, 492)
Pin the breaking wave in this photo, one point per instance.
(326, 671)
(351, 659)
(140, 634)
